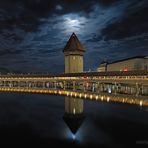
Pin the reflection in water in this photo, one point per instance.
(37, 119)
(74, 115)
(121, 98)
(73, 136)
(74, 107)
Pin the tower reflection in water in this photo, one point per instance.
(74, 115)
(73, 55)
(74, 109)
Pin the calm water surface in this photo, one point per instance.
(34, 119)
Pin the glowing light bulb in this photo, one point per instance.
(80, 95)
(75, 95)
(71, 93)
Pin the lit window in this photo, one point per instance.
(74, 111)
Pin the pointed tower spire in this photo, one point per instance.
(74, 121)
(73, 44)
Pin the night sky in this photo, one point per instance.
(33, 33)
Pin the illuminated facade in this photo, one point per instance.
(130, 64)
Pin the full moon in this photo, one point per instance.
(73, 23)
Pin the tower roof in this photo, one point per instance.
(73, 121)
(73, 44)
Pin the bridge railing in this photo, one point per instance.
(132, 82)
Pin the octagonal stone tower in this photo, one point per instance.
(73, 52)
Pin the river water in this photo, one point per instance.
(37, 119)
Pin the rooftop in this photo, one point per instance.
(131, 58)
(73, 44)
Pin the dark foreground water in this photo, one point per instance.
(37, 120)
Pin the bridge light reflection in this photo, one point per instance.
(141, 100)
(108, 99)
(97, 97)
(141, 103)
(102, 98)
(91, 96)
(132, 101)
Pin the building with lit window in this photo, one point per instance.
(130, 64)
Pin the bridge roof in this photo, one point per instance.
(73, 44)
(111, 73)
(84, 74)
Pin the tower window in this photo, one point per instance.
(74, 111)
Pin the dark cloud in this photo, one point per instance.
(132, 24)
(9, 51)
(26, 14)
(108, 2)
(22, 14)
(33, 32)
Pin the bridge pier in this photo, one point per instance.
(64, 85)
(142, 90)
(84, 87)
(55, 85)
(137, 89)
(74, 85)
(98, 87)
(116, 88)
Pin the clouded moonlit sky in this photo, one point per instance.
(33, 33)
